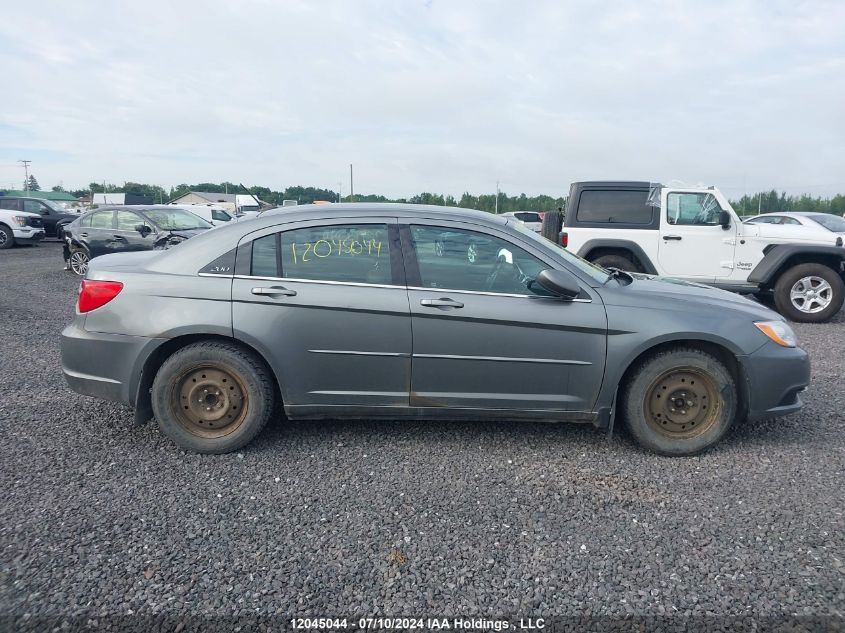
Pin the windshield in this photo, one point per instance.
(595, 272)
(833, 223)
(176, 219)
(55, 206)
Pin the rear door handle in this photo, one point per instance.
(672, 237)
(274, 291)
(444, 302)
(83, 235)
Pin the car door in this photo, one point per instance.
(127, 237)
(48, 216)
(96, 230)
(482, 338)
(326, 302)
(693, 244)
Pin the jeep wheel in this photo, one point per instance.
(79, 260)
(679, 402)
(809, 293)
(617, 261)
(212, 397)
(7, 238)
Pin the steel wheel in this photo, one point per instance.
(811, 294)
(209, 401)
(79, 262)
(472, 252)
(682, 403)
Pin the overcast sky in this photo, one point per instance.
(442, 96)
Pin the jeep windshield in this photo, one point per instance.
(176, 220)
(595, 272)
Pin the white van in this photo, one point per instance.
(216, 216)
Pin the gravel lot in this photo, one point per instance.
(100, 517)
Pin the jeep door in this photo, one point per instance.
(693, 245)
(482, 338)
(326, 303)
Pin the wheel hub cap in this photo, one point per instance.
(682, 402)
(811, 294)
(209, 401)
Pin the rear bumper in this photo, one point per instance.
(775, 376)
(105, 366)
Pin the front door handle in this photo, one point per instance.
(443, 302)
(83, 235)
(274, 291)
(672, 237)
(117, 238)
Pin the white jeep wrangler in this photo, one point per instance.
(694, 234)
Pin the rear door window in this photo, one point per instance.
(100, 220)
(11, 205)
(343, 253)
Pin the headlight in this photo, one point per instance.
(20, 220)
(778, 331)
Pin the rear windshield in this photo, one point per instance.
(608, 207)
(833, 223)
(528, 217)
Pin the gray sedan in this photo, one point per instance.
(351, 311)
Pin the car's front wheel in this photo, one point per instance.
(679, 402)
(212, 397)
(79, 260)
(809, 293)
(7, 238)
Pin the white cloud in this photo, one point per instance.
(436, 96)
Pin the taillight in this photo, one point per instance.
(95, 294)
(564, 239)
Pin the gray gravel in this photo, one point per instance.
(100, 517)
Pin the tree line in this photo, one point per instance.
(764, 202)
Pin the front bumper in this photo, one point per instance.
(28, 235)
(775, 378)
(105, 366)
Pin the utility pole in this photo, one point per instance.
(351, 186)
(26, 172)
(339, 191)
(759, 200)
(497, 197)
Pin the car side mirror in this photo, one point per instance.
(559, 282)
(143, 229)
(725, 219)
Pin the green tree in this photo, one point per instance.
(32, 184)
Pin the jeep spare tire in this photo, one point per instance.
(552, 224)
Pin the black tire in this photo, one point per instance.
(616, 261)
(7, 238)
(552, 224)
(651, 416)
(831, 295)
(79, 260)
(236, 421)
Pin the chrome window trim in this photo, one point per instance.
(312, 281)
(497, 294)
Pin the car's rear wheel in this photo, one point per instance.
(809, 293)
(79, 259)
(679, 402)
(7, 238)
(212, 397)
